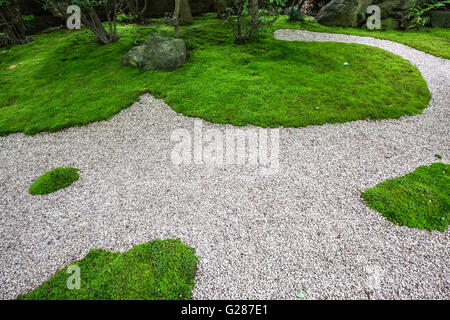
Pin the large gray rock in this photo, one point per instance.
(349, 13)
(343, 13)
(157, 53)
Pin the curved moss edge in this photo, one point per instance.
(54, 180)
(160, 270)
(420, 199)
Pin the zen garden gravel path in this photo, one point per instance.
(303, 231)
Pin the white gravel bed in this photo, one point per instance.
(303, 229)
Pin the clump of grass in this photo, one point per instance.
(420, 199)
(54, 180)
(160, 270)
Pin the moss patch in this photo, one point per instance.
(420, 199)
(160, 270)
(54, 180)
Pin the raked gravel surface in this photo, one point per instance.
(301, 229)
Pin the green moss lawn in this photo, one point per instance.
(54, 180)
(160, 270)
(63, 79)
(420, 199)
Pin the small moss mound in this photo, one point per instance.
(420, 199)
(160, 270)
(54, 180)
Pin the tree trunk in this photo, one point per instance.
(185, 12)
(131, 5)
